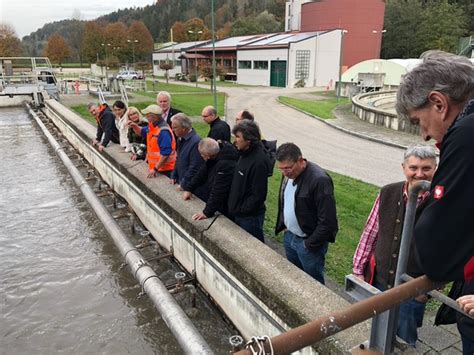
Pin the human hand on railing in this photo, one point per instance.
(199, 216)
(151, 174)
(187, 195)
(101, 148)
(467, 304)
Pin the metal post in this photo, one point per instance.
(319, 329)
(214, 87)
(341, 55)
(184, 331)
(195, 54)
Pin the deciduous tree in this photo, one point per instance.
(92, 42)
(144, 47)
(10, 44)
(179, 32)
(57, 49)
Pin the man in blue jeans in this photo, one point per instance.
(306, 211)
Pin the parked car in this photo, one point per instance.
(129, 75)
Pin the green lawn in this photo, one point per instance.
(190, 104)
(320, 108)
(173, 88)
(354, 200)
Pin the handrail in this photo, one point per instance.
(321, 328)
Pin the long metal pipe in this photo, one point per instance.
(321, 328)
(184, 331)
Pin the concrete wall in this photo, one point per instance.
(372, 107)
(255, 287)
(258, 76)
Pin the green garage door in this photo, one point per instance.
(278, 73)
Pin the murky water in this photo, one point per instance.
(61, 286)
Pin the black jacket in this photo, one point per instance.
(217, 173)
(315, 206)
(106, 127)
(219, 130)
(444, 232)
(137, 138)
(171, 113)
(249, 184)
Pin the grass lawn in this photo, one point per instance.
(354, 200)
(190, 104)
(320, 108)
(173, 88)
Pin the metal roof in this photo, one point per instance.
(180, 46)
(232, 42)
(281, 39)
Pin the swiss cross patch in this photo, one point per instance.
(438, 192)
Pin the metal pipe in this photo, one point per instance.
(184, 331)
(321, 328)
(408, 227)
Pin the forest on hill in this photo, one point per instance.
(412, 26)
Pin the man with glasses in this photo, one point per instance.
(306, 211)
(219, 130)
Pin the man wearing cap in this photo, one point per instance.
(161, 144)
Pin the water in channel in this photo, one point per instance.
(61, 286)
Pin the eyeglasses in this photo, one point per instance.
(286, 168)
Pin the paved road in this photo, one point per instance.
(334, 150)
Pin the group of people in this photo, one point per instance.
(232, 179)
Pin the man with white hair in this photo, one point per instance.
(376, 257)
(163, 99)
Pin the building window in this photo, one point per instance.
(245, 64)
(302, 64)
(260, 64)
(227, 63)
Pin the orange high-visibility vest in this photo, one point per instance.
(153, 149)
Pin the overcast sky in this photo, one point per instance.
(27, 16)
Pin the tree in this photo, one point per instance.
(144, 47)
(76, 37)
(441, 27)
(179, 32)
(116, 40)
(57, 49)
(402, 18)
(267, 22)
(92, 41)
(245, 26)
(195, 25)
(225, 31)
(166, 65)
(10, 44)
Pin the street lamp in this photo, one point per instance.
(381, 34)
(341, 54)
(213, 30)
(195, 53)
(133, 41)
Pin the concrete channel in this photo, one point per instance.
(256, 288)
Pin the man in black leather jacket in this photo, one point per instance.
(306, 211)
